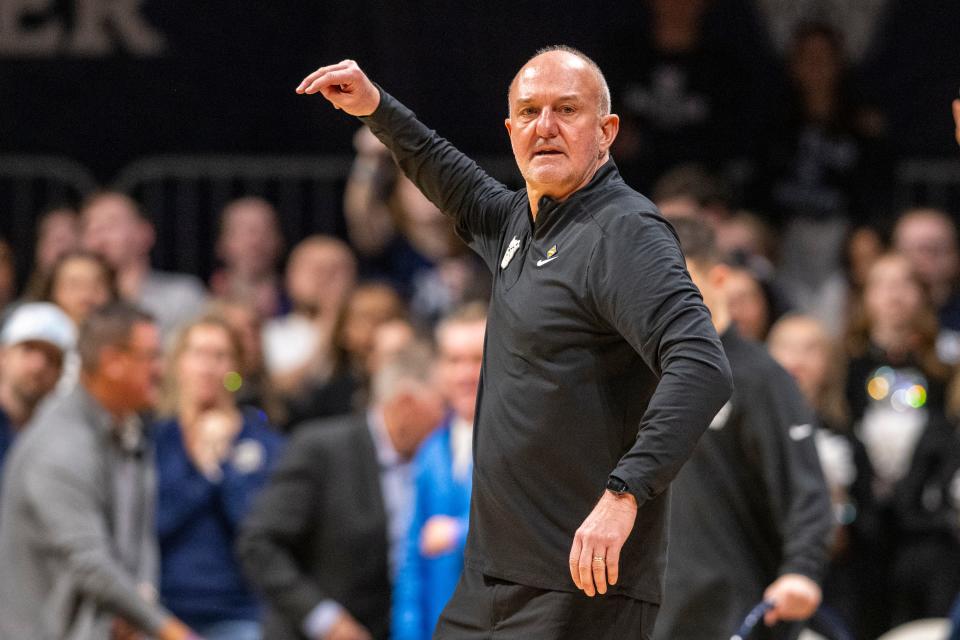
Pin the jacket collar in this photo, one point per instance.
(605, 174)
(128, 434)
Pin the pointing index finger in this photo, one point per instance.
(310, 79)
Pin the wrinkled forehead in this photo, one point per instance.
(552, 75)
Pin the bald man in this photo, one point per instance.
(601, 367)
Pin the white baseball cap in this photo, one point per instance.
(39, 321)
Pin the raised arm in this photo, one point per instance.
(370, 224)
(451, 180)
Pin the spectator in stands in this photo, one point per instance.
(298, 347)
(255, 388)
(690, 189)
(8, 275)
(928, 239)
(114, 226)
(895, 389)
(249, 246)
(753, 301)
(823, 169)
(324, 538)
(58, 233)
(682, 94)
(79, 282)
(402, 236)
(852, 584)
(77, 542)
(442, 470)
(212, 458)
(346, 383)
(389, 339)
(33, 343)
(839, 296)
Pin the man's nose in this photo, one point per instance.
(546, 124)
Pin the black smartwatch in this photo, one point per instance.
(616, 485)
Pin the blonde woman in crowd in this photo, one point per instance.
(213, 456)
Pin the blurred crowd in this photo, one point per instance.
(312, 431)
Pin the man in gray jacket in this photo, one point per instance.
(76, 514)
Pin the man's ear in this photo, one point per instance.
(508, 125)
(609, 128)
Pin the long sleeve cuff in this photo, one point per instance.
(320, 621)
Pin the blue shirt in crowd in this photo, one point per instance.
(424, 585)
(198, 519)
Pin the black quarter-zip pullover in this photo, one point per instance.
(600, 359)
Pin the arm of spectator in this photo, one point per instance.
(369, 220)
(283, 515)
(182, 494)
(640, 287)
(781, 440)
(449, 179)
(798, 494)
(65, 503)
(246, 472)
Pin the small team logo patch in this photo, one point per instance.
(510, 252)
(720, 420)
(551, 256)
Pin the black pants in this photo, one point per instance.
(485, 608)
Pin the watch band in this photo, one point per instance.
(616, 485)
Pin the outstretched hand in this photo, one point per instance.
(345, 85)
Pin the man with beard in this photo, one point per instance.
(32, 346)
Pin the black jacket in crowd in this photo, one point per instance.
(318, 530)
(600, 359)
(750, 505)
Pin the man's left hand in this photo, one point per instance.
(794, 597)
(595, 555)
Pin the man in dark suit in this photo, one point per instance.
(323, 539)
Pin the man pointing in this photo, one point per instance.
(601, 368)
